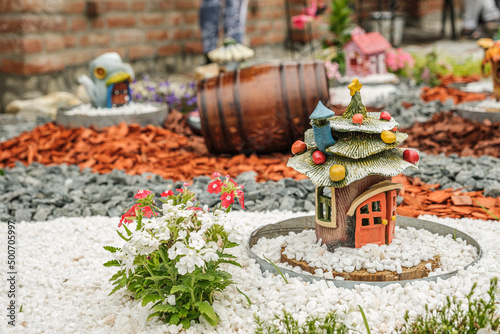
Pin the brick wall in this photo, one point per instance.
(40, 36)
(46, 44)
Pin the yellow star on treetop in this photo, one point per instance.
(354, 86)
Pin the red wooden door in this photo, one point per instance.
(369, 217)
(391, 215)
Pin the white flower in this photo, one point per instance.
(196, 241)
(125, 259)
(188, 262)
(171, 300)
(182, 235)
(177, 249)
(209, 254)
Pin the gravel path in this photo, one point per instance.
(63, 286)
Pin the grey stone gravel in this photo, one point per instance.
(55, 195)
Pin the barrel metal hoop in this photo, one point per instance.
(237, 104)
(286, 107)
(227, 143)
(320, 73)
(305, 108)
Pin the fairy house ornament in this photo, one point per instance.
(351, 159)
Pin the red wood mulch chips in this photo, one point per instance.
(136, 150)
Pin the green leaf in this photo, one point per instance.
(112, 263)
(186, 323)
(165, 308)
(248, 299)
(111, 249)
(181, 288)
(204, 277)
(158, 278)
(174, 319)
(2, 173)
(234, 263)
(208, 312)
(150, 298)
(117, 287)
(364, 320)
(121, 235)
(276, 267)
(152, 315)
(129, 233)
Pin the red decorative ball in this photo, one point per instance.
(357, 119)
(411, 156)
(299, 147)
(319, 157)
(385, 115)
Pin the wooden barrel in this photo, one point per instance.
(263, 108)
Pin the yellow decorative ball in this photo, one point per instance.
(337, 173)
(388, 137)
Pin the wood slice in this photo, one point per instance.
(419, 271)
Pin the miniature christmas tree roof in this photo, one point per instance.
(366, 144)
(321, 112)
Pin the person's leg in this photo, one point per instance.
(490, 10)
(209, 24)
(232, 27)
(472, 9)
(243, 16)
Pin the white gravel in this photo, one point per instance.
(371, 95)
(489, 104)
(408, 248)
(64, 288)
(483, 86)
(133, 108)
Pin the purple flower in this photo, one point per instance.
(150, 88)
(182, 86)
(191, 85)
(191, 101)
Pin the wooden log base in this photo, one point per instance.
(419, 271)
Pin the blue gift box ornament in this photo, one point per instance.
(321, 127)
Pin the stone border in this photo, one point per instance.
(477, 114)
(307, 222)
(156, 118)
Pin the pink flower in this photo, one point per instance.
(299, 21)
(142, 194)
(215, 187)
(186, 184)
(195, 208)
(241, 198)
(147, 212)
(227, 199)
(167, 193)
(215, 175)
(130, 213)
(332, 70)
(180, 190)
(233, 182)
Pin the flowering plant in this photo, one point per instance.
(172, 260)
(181, 98)
(399, 62)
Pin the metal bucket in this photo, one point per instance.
(300, 224)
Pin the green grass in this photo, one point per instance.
(454, 317)
(287, 324)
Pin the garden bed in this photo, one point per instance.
(67, 280)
